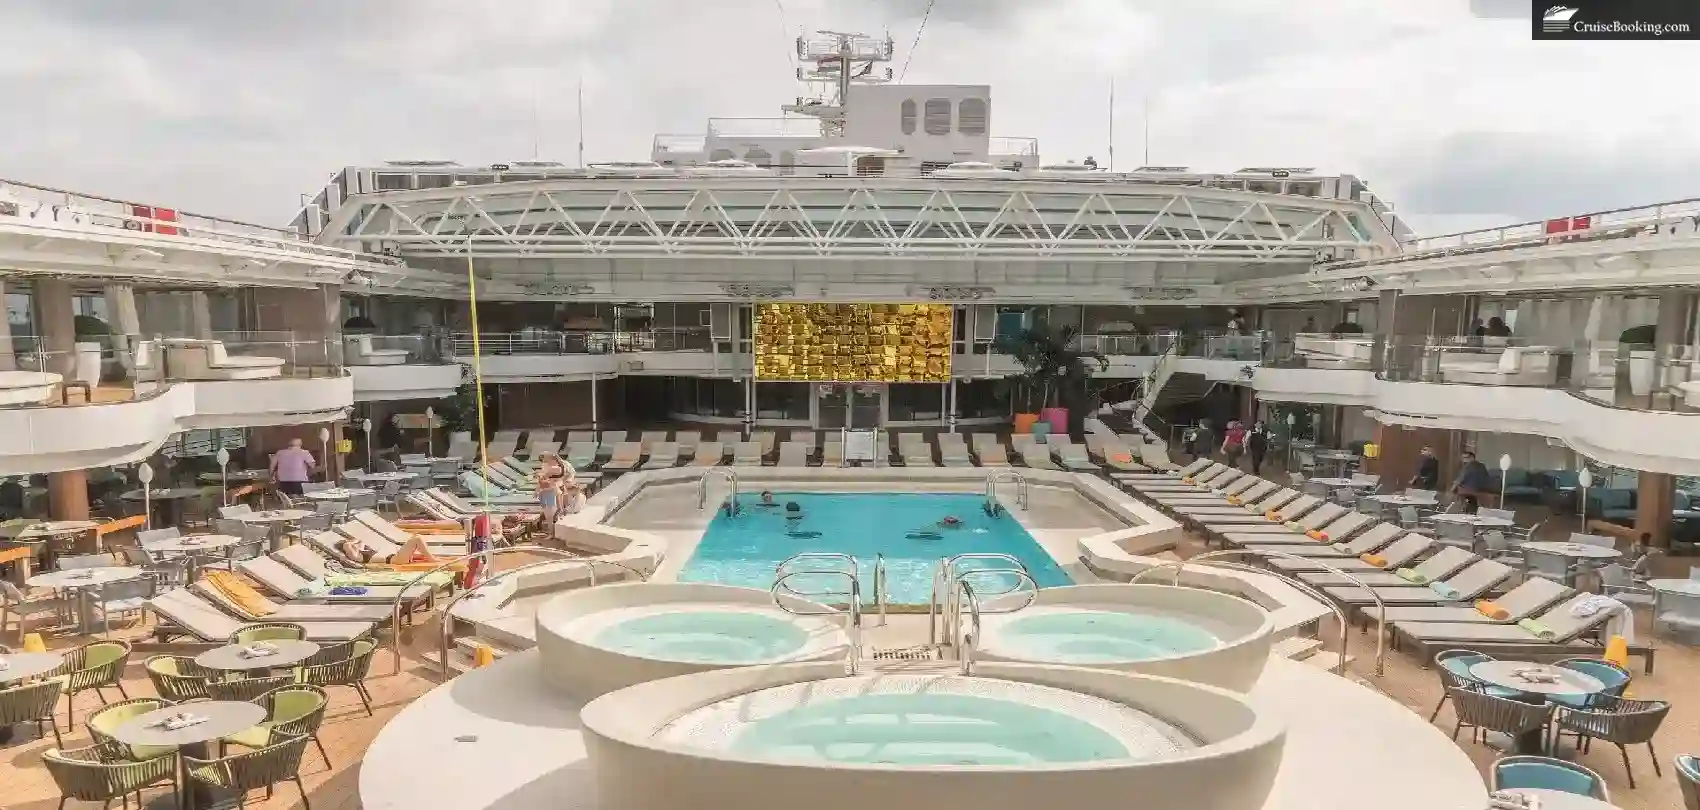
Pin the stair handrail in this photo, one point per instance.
(1209, 557)
(955, 615)
(489, 555)
(702, 486)
(855, 565)
(941, 580)
(853, 618)
(992, 479)
(880, 595)
(446, 623)
(965, 643)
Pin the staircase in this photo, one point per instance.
(1165, 387)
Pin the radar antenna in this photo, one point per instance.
(830, 62)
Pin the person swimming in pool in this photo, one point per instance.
(793, 510)
(950, 522)
(767, 499)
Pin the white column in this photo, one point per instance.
(126, 325)
(950, 414)
(593, 403)
(200, 316)
(8, 360)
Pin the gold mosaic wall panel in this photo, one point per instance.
(853, 342)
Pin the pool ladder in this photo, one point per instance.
(992, 489)
(731, 477)
(853, 612)
(946, 595)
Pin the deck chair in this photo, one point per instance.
(535, 449)
(609, 440)
(1155, 456)
(581, 436)
(1033, 454)
(190, 615)
(766, 439)
(953, 451)
(650, 438)
(1555, 626)
(832, 453)
(1527, 599)
(384, 546)
(1462, 587)
(1400, 553)
(747, 454)
(807, 438)
(462, 508)
(398, 535)
(662, 456)
(1337, 533)
(624, 458)
(709, 454)
(581, 454)
(250, 605)
(1443, 563)
(793, 454)
(914, 450)
(312, 565)
(279, 579)
(688, 441)
(1374, 539)
(1117, 456)
(1071, 456)
(484, 491)
(989, 451)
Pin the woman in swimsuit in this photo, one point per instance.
(412, 551)
(551, 476)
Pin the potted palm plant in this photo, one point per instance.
(1056, 373)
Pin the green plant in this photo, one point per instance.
(1055, 369)
(90, 329)
(1643, 335)
(459, 412)
(1347, 328)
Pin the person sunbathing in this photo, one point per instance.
(412, 551)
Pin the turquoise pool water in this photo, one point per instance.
(1101, 636)
(923, 729)
(704, 637)
(744, 549)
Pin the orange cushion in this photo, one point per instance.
(1374, 559)
(1492, 610)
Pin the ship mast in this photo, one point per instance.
(832, 61)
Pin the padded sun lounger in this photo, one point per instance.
(1561, 626)
(1369, 540)
(989, 450)
(1154, 455)
(650, 438)
(308, 611)
(278, 578)
(312, 565)
(914, 450)
(662, 456)
(766, 439)
(747, 454)
(582, 455)
(1117, 456)
(953, 451)
(1400, 553)
(832, 452)
(397, 534)
(1443, 563)
(1531, 597)
(1033, 454)
(1072, 456)
(191, 615)
(687, 440)
(1463, 587)
(624, 458)
(793, 454)
(709, 454)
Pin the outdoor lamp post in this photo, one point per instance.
(430, 428)
(325, 448)
(144, 474)
(1504, 470)
(366, 428)
(1292, 421)
(1586, 479)
(223, 459)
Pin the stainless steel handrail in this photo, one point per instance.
(992, 480)
(853, 618)
(1339, 614)
(941, 580)
(955, 615)
(731, 481)
(966, 645)
(488, 554)
(855, 567)
(880, 595)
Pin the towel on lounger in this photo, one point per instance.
(1412, 576)
(348, 590)
(1444, 590)
(1374, 559)
(1492, 610)
(1538, 630)
(312, 589)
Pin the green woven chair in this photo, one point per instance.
(176, 677)
(269, 631)
(104, 720)
(86, 775)
(246, 689)
(93, 666)
(291, 711)
(252, 770)
(349, 672)
(31, 703)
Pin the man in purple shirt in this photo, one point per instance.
(292, 467)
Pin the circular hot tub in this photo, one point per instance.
(600, 639)
(1187, 633)
(1010, 736)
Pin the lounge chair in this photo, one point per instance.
(989, 451)
(485, 492)
(363, 522)
(1071, 456)
(793, 454)
(1445, 562)
(314, 566)
(238, 598)
(1527, 599)
(1373, 539)
(914, 450)
(1397, 555)
(534, 449)
(662, 456)
(953, 451)
(650, 438)
(581, 437)
(459, 509)
(767, 441)
(1155, 456)
(747, 454)
(1462, 587)
(832, 453)
(281, 580)
(1118, 456)
(581, 454)
(625, 457)
(709, 454)
(608, 440)
(384, 546)
(190, 615)
(1556, 626)
(688, 441)
(806, 437)
(1033, 454)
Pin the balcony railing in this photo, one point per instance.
(544, 341)
(1662, 220)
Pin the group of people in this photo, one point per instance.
(1472, 482)
(1237, 442)
(558, 489)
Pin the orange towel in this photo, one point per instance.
(1492, 610)
(1314, 534)
(1186, 480)
(1272, 515)
(1121, 458)
(1234, 499)
(1374, 559)
(1323, 536)
(239, 595)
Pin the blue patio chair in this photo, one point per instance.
(1453, 667)
(1546, 773)
(1615, 678)
(1688, 778)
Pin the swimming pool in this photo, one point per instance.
(744, 549)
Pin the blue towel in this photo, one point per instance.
(347, 590)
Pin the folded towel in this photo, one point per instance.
(1412, 576)
(1444, 590)
(1538, 630)
(238, 595)
(1252, 508)
(1374, 559)
(1594, 604)
(1492, 610)
(1294, 526)
(1314, 534)
(1272, 515)
(1186, 480)
(1234, 499)
(348, 590)
(1621, 622)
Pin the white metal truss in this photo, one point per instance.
(858, 217)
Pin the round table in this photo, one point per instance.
(337, 494)
(1403, 500)
(1568, 682)
(223, 718)
(1579, 551)
(190, 544)
(1687, 587)
(1338, 483)
(1478, 521)
(272, 516)
(82, 577)
(54, 528)
(165, 503)
(25, 665)
(386, 476)
(248, 476)
(1559, 800)
(229, 658)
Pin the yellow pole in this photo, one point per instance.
(477, 364)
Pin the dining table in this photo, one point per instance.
(82, 581)
(216, 719)
(1533, 683)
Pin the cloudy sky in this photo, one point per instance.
(237, 107)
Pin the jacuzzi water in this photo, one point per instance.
(704, 634)
(926, 720)
(1101, 636)
(744, 549)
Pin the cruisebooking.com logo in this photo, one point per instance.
(1622, 19)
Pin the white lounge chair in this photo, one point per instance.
(747, 454)
(663, 455)
(793, 454)
(953, 451)
(709, 454)
(190, 615)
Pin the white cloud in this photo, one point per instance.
(1458, 118)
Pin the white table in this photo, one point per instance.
(1478, 521)
(1687, 587)
(1404, 500)
(23, 665)
(223, 718)
(1339, 483)
(272, 516)
(1569, 682)
(337, 494)
(53, 528)
(82, 580)
(1575, 551)
(385, 476)
(230, 657)
(235, 476)
(194, 543)
(1559, 800)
